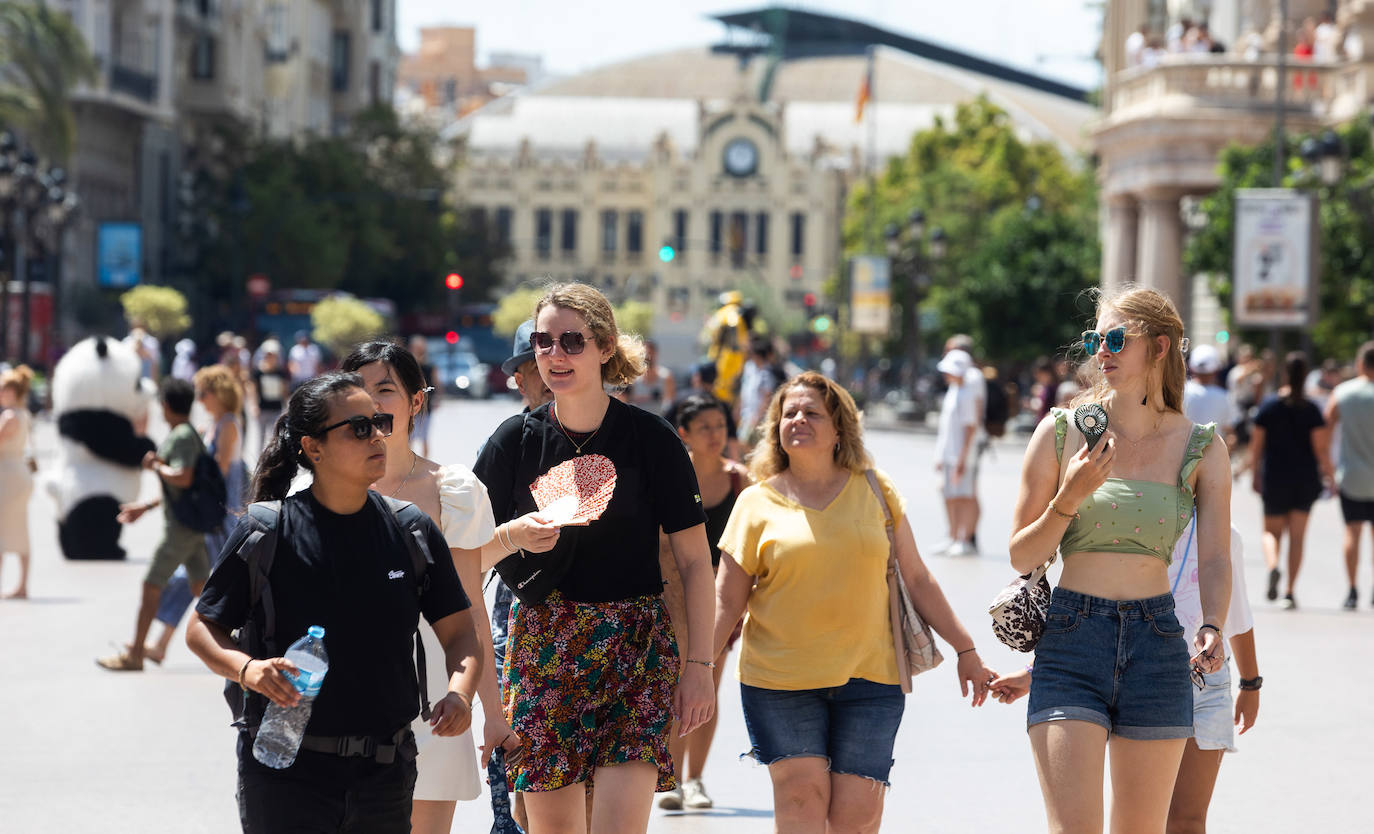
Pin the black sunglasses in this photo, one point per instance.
(572, 342)
(1116, 340)
(363, 426)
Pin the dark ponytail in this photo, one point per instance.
(1295, 367)
(305, 415)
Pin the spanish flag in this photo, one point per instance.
(865, 90)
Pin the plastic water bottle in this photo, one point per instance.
(279, 736)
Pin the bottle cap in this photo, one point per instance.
(316, 631)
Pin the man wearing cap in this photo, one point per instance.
(954, 450)
(1204, 400)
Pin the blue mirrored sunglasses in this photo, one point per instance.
(1115, 338)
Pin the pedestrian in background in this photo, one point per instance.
(174, 463)
(341, 563)
(16, 476)
(1204, 400)
(592, 667)
(976, 385)
(1352, 406)
(270, 387)
(955, 453)
(184, 362)
(1289, 461)
(419, 348)
(703, 428)
(657, 388)
(1112, 668)
(304, 360)
(806, 553)
(218, 392)
(457, 502)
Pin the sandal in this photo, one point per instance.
(121, 662)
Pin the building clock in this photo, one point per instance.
(741, 158)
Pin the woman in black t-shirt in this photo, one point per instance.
(341, 562)
(591, 668)
(1288, 463)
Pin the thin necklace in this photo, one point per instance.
(1151, 433)
(576, 445)
(414, 459)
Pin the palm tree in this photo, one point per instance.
(42, 57)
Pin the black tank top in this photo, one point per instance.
(717, 516)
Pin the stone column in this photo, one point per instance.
(1159, 261)
(1119, 249)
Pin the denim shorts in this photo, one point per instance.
(853, 727)
(1214, 712)
(1120, 664)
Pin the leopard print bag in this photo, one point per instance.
(1018, 612)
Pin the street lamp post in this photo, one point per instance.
(912, 255)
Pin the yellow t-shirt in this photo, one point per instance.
(818, 614)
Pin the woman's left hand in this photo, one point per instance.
(451, 716)
(1247, 708)
(973, 672)
(1211, 652)
(695, 698)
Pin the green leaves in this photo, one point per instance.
(42, 57)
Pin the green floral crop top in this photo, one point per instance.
(1128, 516)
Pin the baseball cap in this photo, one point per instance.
(521, 350)
(955, 363)
(1204, 359)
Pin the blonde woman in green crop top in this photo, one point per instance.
(1112, 672)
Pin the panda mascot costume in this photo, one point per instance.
(100, 404)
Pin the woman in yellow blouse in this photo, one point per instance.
(805, 551)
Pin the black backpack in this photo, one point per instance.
(259, 638)
(201, 506)
(997, 409)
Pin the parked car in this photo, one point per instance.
(461, 373)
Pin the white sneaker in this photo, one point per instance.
(942, 547)
(671, 800)
(694, 795)
(962, 549)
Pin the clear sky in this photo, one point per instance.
(1056, 38)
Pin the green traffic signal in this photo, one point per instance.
(1223, 337)
(666, 253)
(821, 324)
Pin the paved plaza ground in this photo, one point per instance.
(88, 750)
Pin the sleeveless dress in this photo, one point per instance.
(448, 765)
(16, 485)
(236, 487)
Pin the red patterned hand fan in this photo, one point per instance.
(576, 491)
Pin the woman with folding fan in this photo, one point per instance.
(581, 487)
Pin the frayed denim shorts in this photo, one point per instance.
(1120, 664)
(853, 727)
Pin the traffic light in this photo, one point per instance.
(454, 281)
(809, 304)
(821, 325)
(667, 252)
(1223, 337)
(451, 337)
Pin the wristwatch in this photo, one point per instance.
(1251, 683)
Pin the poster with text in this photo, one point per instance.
(1275, 264)
(870, 287)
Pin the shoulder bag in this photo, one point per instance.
(912, 638)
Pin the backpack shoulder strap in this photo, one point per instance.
(409, 517)
(258, 550)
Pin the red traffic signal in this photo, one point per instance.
(809, 300)
(451, 337)
(454, 281)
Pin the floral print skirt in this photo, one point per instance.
(589, 685)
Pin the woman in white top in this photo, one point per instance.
(16, 481)
(457, 501)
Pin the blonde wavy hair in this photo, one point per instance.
(1151, 314)
(18, 379)
(769, 459)
(627, 361)
(223, 383)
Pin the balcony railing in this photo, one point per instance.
(133, 82)
(1190, 82)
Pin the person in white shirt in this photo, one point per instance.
(1326, 41)
(954, 452)
(303, 361)
(1203, 396)
(1135, 45)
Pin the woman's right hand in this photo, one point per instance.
(268, 677)
(1088, 470)
(533, 533)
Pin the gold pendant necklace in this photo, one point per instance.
(575, 444)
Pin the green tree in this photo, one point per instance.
(1346, 216)
(1020, 221)
(161, 310)
(42, 57)
(342, 321)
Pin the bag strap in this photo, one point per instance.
(410, 519)
(888, 524)
(258, 550)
